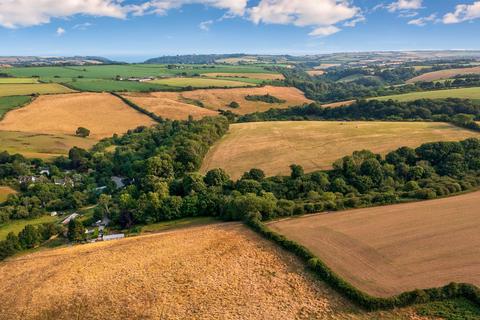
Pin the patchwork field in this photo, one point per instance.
(444, 74)
(463, 93)
(215, 99)
(274, 146)
(169, 105)
(40, 145)
(174, 275)
(9, 103)
(200, 82)
(27, 89)
(101, 113)
(4, 193)
(388, 250)
(18, 80)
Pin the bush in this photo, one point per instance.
(82, 132)
(234, 105)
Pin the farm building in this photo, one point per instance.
(113, 237)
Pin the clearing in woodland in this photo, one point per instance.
(221, 271)
(101, 113)
(444, 74)
(274, 146)
(169, 105)
(391, 249)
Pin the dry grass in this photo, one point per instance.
(444, 74)
(274, 146)
(388, 250)
(211, 272)
(261, 76)
(316, 72)
(219, 98)
(169, 106)
(102, 113)
(338, 104)
(15, 89)
(5, 192)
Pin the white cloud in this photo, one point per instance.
(234, 7)
(402, 5)
(82, 26)
(24, 13)
(463, 12)
(322, 15)
(60, 31)
(205, 25)
(423, 21)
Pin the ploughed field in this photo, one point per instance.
(391, 249)
(274, 146)
(444, 74)
(222, 271)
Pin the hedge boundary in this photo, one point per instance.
(138, 108)
(361, 298)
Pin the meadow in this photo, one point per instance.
(16, 226)
(173, 275)
(258, 76)
(463, 93)
(105, 85)
(4, 193)
(101, 113)
(444, 74)
(17, 80)
(391, 249)
(12, 102)
(274, 146)
(200, 82)
(28, 89)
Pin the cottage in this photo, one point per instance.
(118, 182)
(66, 182)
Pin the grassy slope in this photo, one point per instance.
(274, 146)
(9, 103)
(16, 226)
(463, 93)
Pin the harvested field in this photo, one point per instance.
(101, 113)
(40, 145)
(215, 99)
(212, 272)
(338, 104)
(444, 74)
(391, 249)
(27, 89)
(5, 192)
(274, 146)
(169, 106)
(200, 82)
(315, 73)
(463, 93)
(261, 76)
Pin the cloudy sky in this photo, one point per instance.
(137, 29)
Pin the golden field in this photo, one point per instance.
(274, 146)
(391, 249)
(444, 74)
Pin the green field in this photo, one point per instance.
(179, 223)
(18, 80)
(100, 85)
(246, 80)
(16, 226)
(27, 89)
(464, 93)
(9, 103)
(42, 146)
(200, 82)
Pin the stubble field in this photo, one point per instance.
(389, 250)
(274, 146)
(444, 74)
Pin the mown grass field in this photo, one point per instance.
(274, 146)
(27, 89)
(43, 146)
(391, 249)
(200, 82)
(61, 114)
(17, 80)
(169, 105)
(9, 103)
(221, 271)
(5, 192)
(463, 93)
(16, 226)
(444, 74)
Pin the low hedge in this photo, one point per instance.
(138, 108)
(450, 291)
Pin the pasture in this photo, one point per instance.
(9, 103)
(259, 76)
(16, 226)
(104, 85)
(17, 80)
(35, 88)
(274, 146)
(463, 93)
(389, 250)
(200, 82)
(216, 99)
(40, 145)
(444, 74)
(172, 275)
(4, 193)
(169, 105)
(101, 113)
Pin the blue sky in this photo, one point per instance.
(135, 30)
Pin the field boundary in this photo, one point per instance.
(363, 299)
(138, 108)
(32, 98)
